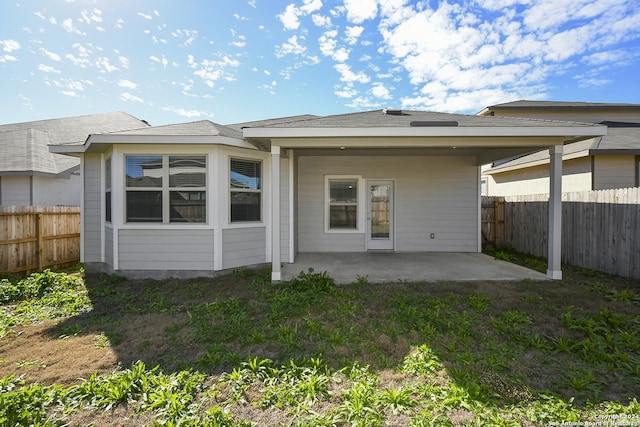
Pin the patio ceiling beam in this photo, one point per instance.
(419, 142)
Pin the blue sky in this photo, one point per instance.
(169, 61)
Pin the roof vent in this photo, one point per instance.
(392, 112)
(432, 123)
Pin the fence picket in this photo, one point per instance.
(600, 231)
(33, 237)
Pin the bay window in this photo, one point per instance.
(166, 189)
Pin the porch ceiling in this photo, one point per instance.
(481, 154)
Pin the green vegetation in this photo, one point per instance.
(240, 351)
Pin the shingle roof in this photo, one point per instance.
(529, 105)
(378, 118)
(198, 128)
(617, 139)
(25, 145)
(271, 122)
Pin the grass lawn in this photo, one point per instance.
(240, 351)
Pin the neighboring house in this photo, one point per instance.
(197, 198)
(606, 162)
(31, 175)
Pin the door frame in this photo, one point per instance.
(380, 244)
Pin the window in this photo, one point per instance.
(166, 189)
(343, 204)
(107, 185)
(245, 184)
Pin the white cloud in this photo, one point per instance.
(361, 10)
(93, 16)
(363, 102)
(290, 18)
(7, 58)
(347, 91)
(75, 85)
(353, 33)
(48, 69)
(187, 113)
(329, 47)
(189, 35)
(252, 3)
(104, 66)
(149, 17)
(380, 91)
(126, 96)
(321, 21)
(9, 45)
(69, 27)
(311, 6)
(346, 75)
(164, 61)
(51, 55)
(69, 93)
(587, 83)
(211, 70)
(127, 84)
(240, 17)
(290, 47)
(124, 62)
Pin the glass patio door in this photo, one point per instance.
(380, 215)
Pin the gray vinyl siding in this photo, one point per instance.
(576, 176)
(284, 209)
(15, 190)
(159, 249)
(108, 246)
(311, 210)
(92, 208)
(614, 172)
(243, 247)
(432, 195)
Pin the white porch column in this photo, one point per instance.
(276, 273)
(554, 270)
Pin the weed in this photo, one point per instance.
(398, 399)
(478, 303)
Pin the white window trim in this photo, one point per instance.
(245, 224)
(165, 189)
(360, 208)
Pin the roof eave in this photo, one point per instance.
(101, 142)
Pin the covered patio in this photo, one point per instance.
(379, 267)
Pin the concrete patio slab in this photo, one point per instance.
(379, 267)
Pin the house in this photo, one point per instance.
(605, 162)
(198, 198)
(31, 175)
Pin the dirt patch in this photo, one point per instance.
(33, 352)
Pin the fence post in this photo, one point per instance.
(39, 241)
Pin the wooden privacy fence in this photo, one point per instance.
(32, 238)
(600, 229)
